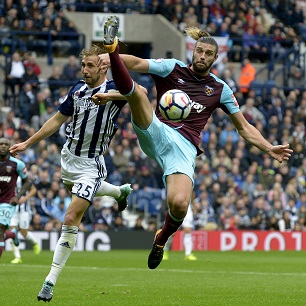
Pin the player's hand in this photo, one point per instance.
(18, 147)
(14, 201)
(103, 61)
(22, 200)
(100, 98)
(280, 152)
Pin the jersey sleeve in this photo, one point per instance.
(67, 107)
(163, 67)
(228, 101)
(21, 168)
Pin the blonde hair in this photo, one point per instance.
(201, 36)
(93, 50)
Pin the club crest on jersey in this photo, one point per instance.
(9, 169)
(208, 90)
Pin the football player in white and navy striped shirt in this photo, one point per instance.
(89, 133)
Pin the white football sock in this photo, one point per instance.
(30, 237)
(187, 243)
(108, 190)
(16, 250)
(62, 251)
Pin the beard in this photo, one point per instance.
(203, 69)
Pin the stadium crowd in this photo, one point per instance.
(236, 186)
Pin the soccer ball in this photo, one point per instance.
(175, 105)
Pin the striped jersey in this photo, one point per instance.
(92, 126)
(26, 205)
(206, 94)
(10, 170)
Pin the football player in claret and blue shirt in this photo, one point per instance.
(10, 169)
(175, 145)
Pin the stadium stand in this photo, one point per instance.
(233, 180)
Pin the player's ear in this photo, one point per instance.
(216, 57)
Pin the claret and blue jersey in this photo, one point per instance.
(206, 94)
(92, 126)
(10, 170)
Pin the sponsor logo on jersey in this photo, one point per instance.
(85, 103)
(9, 169)
(6, 179)
(181, 81)
(197, 106)
(208, 90)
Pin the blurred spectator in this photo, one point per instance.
(91, 214)
(266, 175)
(36, 224)
(302, 201)
(244, 219)
(27, 100)
(60, 44)
(226, 220)
(259, 212)
(120, 161)
(55, 82)
(71, 69)
(285, 224)
(31, 77)
(228, 134)
(296, 79)
(229, 79)
(29, 60)
(58, 211)
(147, 180)
(247, 75)
(131, 176)
(14, 72)
(62, 196)
(105, 218)
(138, 225)
(50, 111)
(43, 184)
(119, 224)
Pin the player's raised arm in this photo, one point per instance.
(131, 62)
(253, 136)
(50, 127)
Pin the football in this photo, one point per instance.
(175, 105)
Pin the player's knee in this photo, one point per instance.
(179, 206)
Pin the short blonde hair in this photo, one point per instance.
(93, 50)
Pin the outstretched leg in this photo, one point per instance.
(140, 105)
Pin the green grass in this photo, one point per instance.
(122, 278)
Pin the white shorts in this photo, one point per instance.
(85, 174)
(21, 219)
(188, 220)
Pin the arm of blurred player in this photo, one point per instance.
(30, 194)
(24, 188)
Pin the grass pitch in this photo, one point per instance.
(122, 278)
